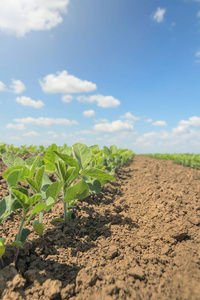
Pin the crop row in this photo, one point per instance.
(186, 159)
(79, 169)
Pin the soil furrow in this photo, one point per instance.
(138, 239)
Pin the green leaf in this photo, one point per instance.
(13, 178)
(46, 179)
(77, 192)
(4, 205)
(94, 148)
(68, 160)
(98, 174)
(50, 157)
(82, 153)
(2, 247)
(67, 150)
(34, 165)
(23, 199)
(32, 184)
(33, 199)
(39, 176)
(38, 227)
(54, 189)
(61, 166)
(2, 241)
(25, 234)
(113, 149)
(94, 186)
(36, 210)
(11, 160)
(58, 220)
(107, 151)
(71, 174)
(49, 204)
(17, 244)
(25, 172)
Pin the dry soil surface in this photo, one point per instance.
(138, 239)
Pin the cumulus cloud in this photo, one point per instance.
(159, 123)
(2, 86)
(183, 126)
(129, 116)
(114, 126)
(62, 82)
(67, 98)
(32, 134)
(102, 101)
(158, 16)
(22, 16)
(17, 87)
(89, 113)
(16, 126)
(148, 120)
(46, 121)
(27, 101)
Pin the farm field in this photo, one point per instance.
(138, 239)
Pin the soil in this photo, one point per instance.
(138, 239)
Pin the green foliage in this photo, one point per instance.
(185, 159)
(79, 170)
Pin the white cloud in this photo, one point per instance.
(89, 113)
(67, 98)
(198, 14)
(197, 54)
(62, 82)
(53, 134)
(46, 121)
(16, 126)
(114, 126)
(32, 134)
(27, 101)
(22, 16)
(159, 123)
(17, 87)
(129, 116)
(148, 120)
(2, 86)
(159, 15)
(102, 101)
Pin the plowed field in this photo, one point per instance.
(138, 239)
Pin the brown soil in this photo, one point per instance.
(138, 239)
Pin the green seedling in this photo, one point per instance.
(28, 205)
(76, 174)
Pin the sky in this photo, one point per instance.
(107, 72)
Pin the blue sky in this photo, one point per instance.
(123, 72)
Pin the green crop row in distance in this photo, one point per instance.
(186, 159)
(79, 169)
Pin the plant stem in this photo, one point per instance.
(16, 255)
(65, 205)
(18, 237)
(41, 213)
